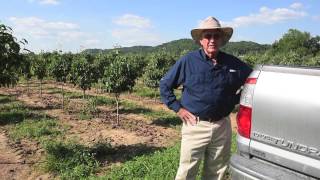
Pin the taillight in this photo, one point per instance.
(245, 112)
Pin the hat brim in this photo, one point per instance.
(227, 33)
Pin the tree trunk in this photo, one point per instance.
(155, 95)
(41, 89)
(28, 87)
(117, 101)
(84, 94)
(62, 95)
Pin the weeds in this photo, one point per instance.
(35, 129)
(12, 112)
(161, 164)
(70, 160)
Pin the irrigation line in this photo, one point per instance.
(22, 162)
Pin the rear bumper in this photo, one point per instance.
(253, 169)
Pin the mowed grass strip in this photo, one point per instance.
(37, 129)
(24, 121)
(12, 111)
(70, 160)
(161, 164)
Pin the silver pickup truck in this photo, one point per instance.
(279, 125)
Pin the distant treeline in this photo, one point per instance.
(295, 48)
(182, 46)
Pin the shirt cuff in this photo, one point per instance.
(175, 106)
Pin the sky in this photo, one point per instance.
(74, 25)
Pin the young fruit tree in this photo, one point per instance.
(39, 66)
(84, 72)
(119, 76)
(158, 65)
(26, 69)
(101, 61)
(60, 68)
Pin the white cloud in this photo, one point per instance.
(41, 28)
(49, 32)
(296, 6)
(71, 35)
(49, 2)
(268, 16)
(91, 42)
(135, 36)
(132, 20)
(45, 2)
(35, 22)
(316, 18)
(134, 30)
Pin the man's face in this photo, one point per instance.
(211, 41)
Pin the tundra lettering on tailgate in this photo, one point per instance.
(281, 142)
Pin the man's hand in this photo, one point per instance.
(186, 116)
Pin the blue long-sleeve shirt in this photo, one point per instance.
(208, 90)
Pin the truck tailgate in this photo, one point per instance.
(285, 115)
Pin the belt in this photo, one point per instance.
(209, 119)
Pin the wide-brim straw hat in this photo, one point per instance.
(208, 24)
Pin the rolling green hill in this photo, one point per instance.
(184, 45)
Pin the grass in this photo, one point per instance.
(161, 164)
(35, 129)
(143, 91)
(11, 111)
(70, 160)
(26, 122)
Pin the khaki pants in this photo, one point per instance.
(211, 141)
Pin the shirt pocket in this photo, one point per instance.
(233, 79)
(196, 82)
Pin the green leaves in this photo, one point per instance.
(295, 48)
(60, 66)
(10, 57)
(83, 72)
(39, 66)
(158, 65)
(119, 76)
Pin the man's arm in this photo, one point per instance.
(172, 79)
(175, 77)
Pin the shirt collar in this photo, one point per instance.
(205, 57)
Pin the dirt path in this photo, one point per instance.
(11, 164)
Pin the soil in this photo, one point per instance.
(17, 159)
(11, 163)
(141, 101)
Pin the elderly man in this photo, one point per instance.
(210, 80)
